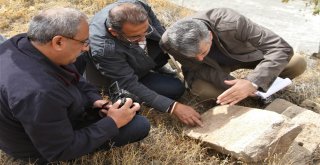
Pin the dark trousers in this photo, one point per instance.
(166, 85)
(137, 129)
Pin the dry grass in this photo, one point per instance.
(166, 143)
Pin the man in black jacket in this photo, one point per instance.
(124, 42)
(46, 108)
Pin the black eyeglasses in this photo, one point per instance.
(134, 39)
(84, 42)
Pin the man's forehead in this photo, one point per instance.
(129, 28)
(83, 32)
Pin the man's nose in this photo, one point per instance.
(199, 58)
(85, 48)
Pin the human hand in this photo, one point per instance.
(240, 90)
(124, 114)
(187, 115)
(100, 103)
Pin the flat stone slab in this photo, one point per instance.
(247, 134)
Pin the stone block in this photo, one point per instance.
(305, 149)
(307, 117)
(279, 105)
(293, 111)
(311, 105)
(248, 134)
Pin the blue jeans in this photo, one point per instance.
(165, 85)
(136, 130)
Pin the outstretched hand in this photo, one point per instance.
(239, 90)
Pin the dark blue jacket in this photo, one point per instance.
(40, 104)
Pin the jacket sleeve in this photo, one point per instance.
(277, 52)
(44, 115)
(113, 65)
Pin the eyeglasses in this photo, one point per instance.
(85, 43)
(135, 39)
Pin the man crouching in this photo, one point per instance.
(44, 102)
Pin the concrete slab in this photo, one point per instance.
(293, 21)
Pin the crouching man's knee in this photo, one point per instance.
(205, 90)
(296, 66)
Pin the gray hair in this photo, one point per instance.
(126, 12)
(52, 22)
(186, 35)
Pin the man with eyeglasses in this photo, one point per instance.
(48, 112)
(213, 43)
(124, 46)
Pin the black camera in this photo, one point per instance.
(115, 94)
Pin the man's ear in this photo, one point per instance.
(211, 35)
(57, 42)
(113, 32)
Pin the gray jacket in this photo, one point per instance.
(125, 62)
(241, 39)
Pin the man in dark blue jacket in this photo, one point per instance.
(46, 108)
(124, 42)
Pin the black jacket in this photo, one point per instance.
(40, 104)
(124, 62)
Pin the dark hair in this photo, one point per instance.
(126, 12)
